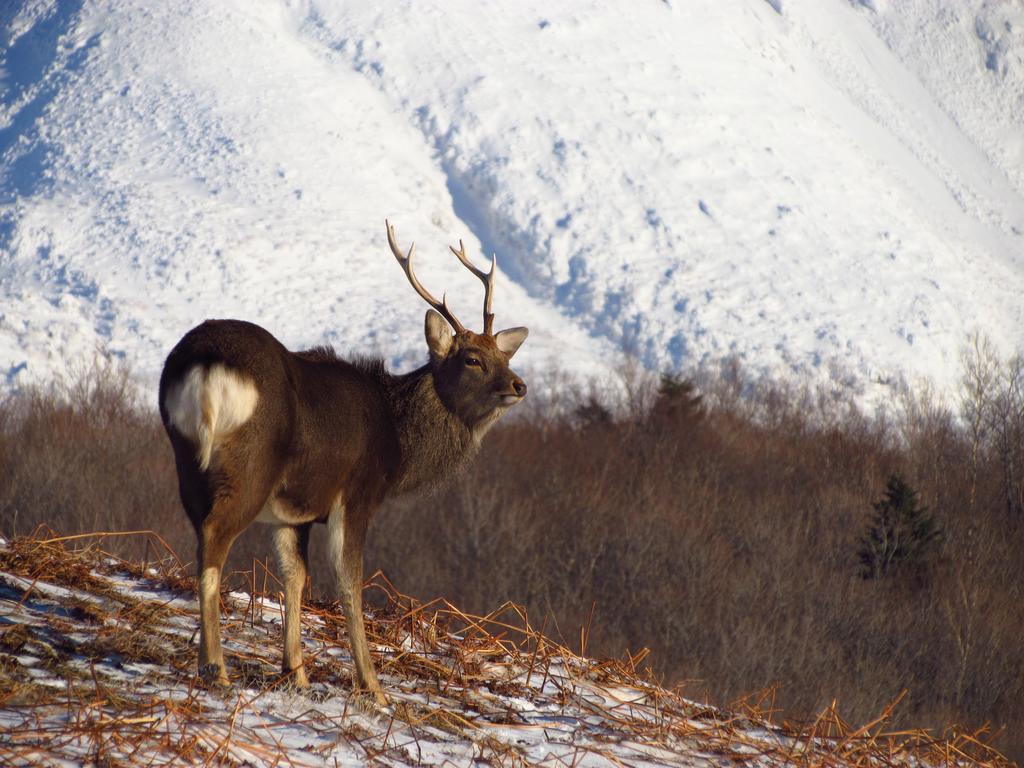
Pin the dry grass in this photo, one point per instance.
(458, 680)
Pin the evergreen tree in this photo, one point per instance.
(677, 399)
(902, 533)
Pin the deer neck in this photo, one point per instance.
(434, 442)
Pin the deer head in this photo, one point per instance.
(471, 370)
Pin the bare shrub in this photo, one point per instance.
(84, 455)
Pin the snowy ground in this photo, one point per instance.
(98, 656)
(821, 186)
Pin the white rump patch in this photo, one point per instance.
(208, 405)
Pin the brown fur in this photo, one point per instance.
(327, 441)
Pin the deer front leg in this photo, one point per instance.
(292, 544)
(347, 532)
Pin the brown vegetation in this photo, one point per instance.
(722, 531)
(480, 687)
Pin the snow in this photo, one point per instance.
(826, 188)
(159, 711)
(102, 669)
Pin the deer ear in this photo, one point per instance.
(508, 341)
(439, 335)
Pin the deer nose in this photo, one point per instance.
(519, 386)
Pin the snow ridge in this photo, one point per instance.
(832, 189)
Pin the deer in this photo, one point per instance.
(261, 434)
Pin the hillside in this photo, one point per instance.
(827, 188)
(98, 657)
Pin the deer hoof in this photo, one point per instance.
(369, 701)
(296, 678)
(214, 676)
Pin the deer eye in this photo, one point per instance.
(474, 362)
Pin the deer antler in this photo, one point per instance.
(487, 278)
(405, 260)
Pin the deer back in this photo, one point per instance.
(309, 425)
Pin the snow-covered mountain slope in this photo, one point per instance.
(822, 186)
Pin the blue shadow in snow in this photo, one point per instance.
(30, 65)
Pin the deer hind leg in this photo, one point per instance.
(211, 657)
(210, 555)
(292, 545)
(346, 533)
(214, 544)
(234, 507)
